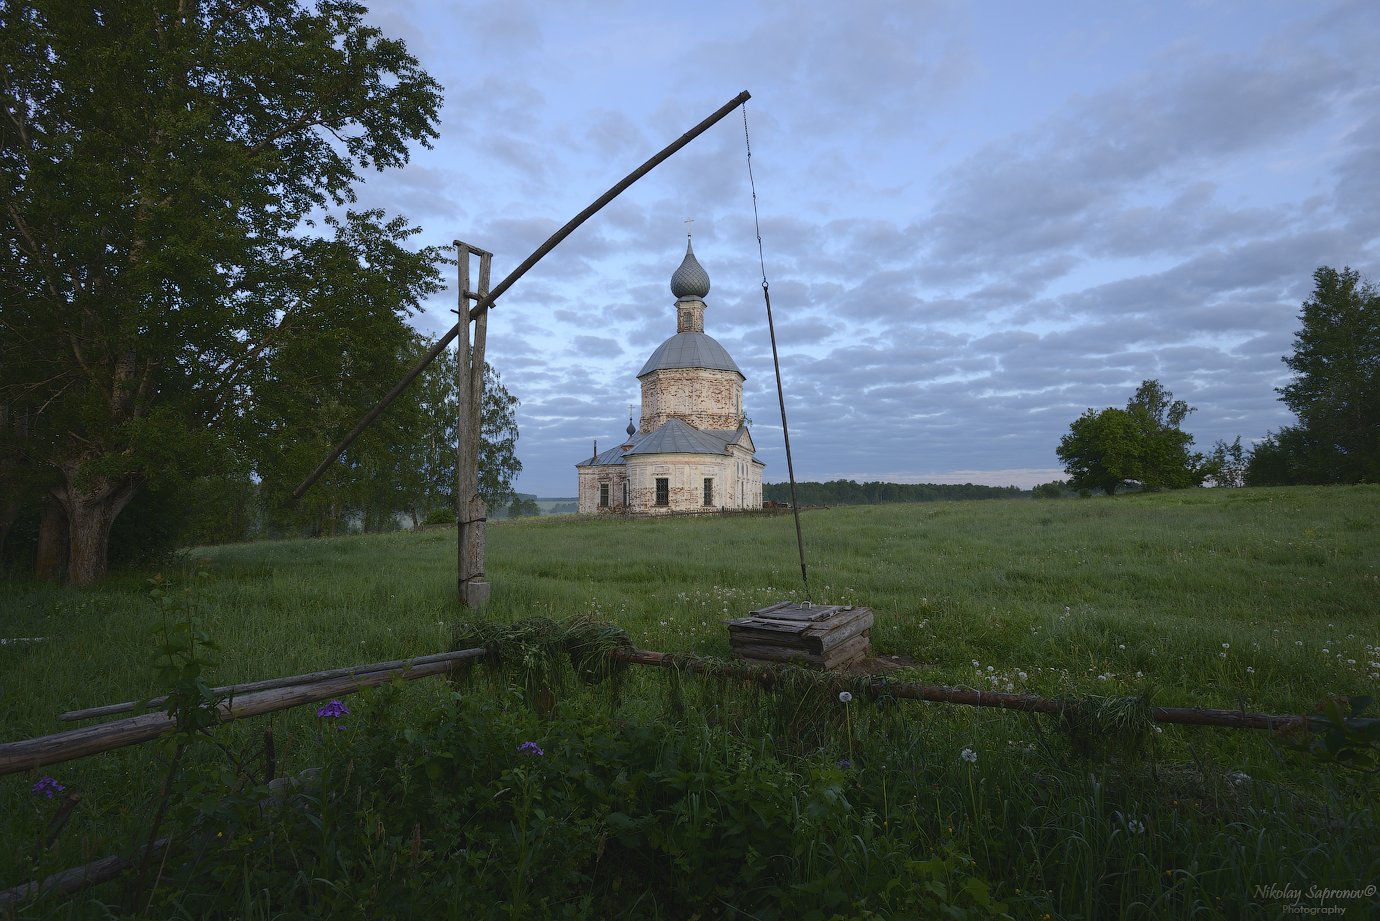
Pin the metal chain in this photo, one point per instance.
(776, 360)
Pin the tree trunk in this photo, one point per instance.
(51, 554)
(92, 506)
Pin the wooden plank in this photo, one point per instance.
(793, 612)
(846, 632)
(754, 623)
(77, 878)
(78, 743)
(250, 687)
(770, 639)
(852, 649)
(777, 654)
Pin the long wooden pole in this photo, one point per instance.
(77, 743)
(91, 740)
(537, 255)
(1028, 703)
(471, 514)
(237, 690)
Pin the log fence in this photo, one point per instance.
(257, 698)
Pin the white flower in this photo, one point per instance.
(1326, 651)
(1135, 826)
(977, 664)
(844, 697)
(968, 755)
(1222, 655)
(1120, 645)
(1226, 645)
(1350, 661)
(1250, 670)
(1023, 675)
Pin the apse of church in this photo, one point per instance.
(690, 450)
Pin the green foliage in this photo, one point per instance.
(162, 168)
(1139, 445)
(1107, 727)
(1056, 489)
(439, 516)
(523, 507)
(1344, 734)
(184, 652)
(541, 657)
(1335, 391)
(1053, 589)
(476, 809)
(1226, 464)
(429, 469)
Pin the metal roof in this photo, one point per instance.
(677, 437)
(604, 458)
(673, 437)
(690, 350)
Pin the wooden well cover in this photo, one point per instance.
(816, 635)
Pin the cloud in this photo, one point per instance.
(976, 223)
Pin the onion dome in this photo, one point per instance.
(632, 429)
(690, 280)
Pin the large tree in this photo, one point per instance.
(1335, 391)
(1141, 445)
(161, 166)
(429, 477)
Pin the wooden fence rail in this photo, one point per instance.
(91, 740)
(283, 693)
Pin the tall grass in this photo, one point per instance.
(1260, 599)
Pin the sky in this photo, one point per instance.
(978, 220)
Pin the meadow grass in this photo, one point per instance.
(1262, 599)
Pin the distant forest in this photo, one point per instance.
(848, 492)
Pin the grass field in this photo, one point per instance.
(1263, 599)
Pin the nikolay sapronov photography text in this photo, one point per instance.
(1316, 900)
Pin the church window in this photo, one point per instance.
(709, 490)
(603, 495)
(663, 490)
(625, 493)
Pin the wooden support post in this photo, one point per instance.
(471, 514)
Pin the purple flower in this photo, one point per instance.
(47, 786)
(332, 710)
(845, 764)
(531, 748)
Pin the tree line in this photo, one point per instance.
(1334, 392)
(191, 310)
(849, 492)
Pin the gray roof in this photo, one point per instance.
(690, 279)
(604, 458)
(677, 437)
(729, 436)
(690, 350)
(673, 437)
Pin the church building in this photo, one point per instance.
(691, 451)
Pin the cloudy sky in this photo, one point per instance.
(978, 220)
